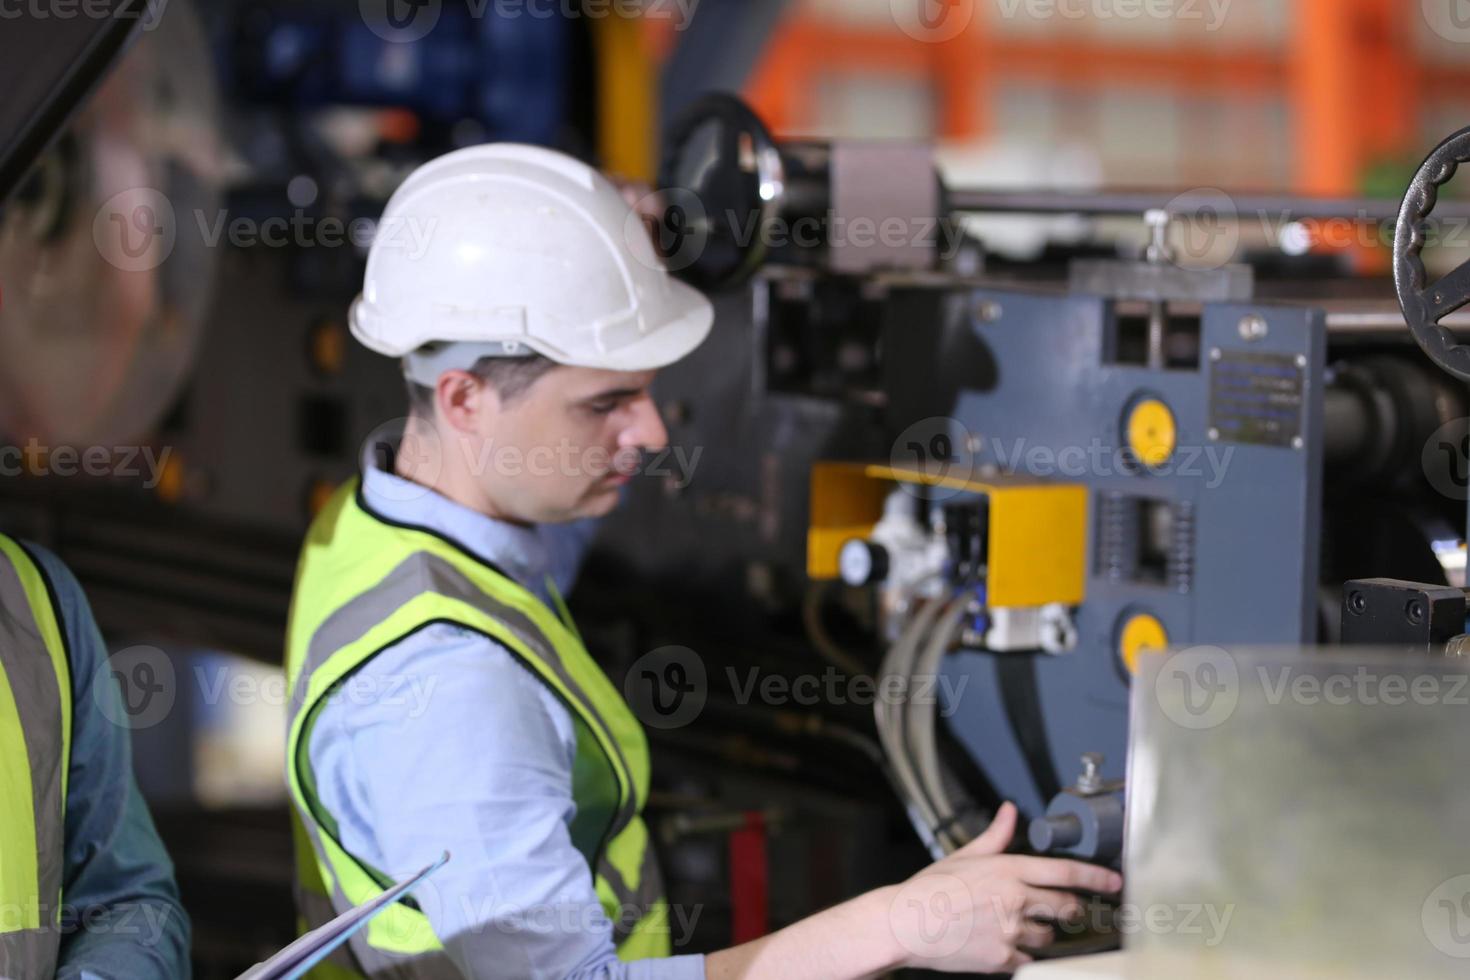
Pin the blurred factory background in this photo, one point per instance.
(209, 358)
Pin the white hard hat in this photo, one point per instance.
(505, 249)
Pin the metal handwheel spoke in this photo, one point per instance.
(1424, 306)
(1448, 294)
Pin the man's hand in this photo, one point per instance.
(980, 909)
(977, 910)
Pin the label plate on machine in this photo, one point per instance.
(1256, 398)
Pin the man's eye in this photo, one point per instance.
(602, 408)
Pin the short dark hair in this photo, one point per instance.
(511, 377)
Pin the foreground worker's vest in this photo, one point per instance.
(362, 585)
(35, 752)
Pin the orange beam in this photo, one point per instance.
(1349, 76)
(779, 89)
(1091, 63)
(1068, 62)
(964, 81)
(1082, 63)
(873, 49)
(1440, 78)
(964, 69)
(1329, 148)
(659, 37)
(1390, 66)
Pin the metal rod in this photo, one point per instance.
(1372, 321)
(1156, 330)
(1273, 206)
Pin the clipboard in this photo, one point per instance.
(315, 946)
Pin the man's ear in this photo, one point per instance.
(464, 400)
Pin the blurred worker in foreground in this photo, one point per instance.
(86, 890)
(531, 322)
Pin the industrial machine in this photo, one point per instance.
(1165, 449)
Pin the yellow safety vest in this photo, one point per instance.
(35, 754)
(362, 585)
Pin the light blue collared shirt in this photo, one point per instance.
(445, 742)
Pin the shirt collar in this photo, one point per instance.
(517, 550)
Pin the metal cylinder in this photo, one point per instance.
(1348, 417)
(1050, 833)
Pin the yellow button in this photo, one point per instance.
(1151, 433)
(1141, 633)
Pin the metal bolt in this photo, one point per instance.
(1158, 221)
(1296, 442)
(1301, 360)
(1091, 779)
(1252, 327)
(1215, 354)
(1414, 611)
(1457, 646)
(974, 443)
(1214, 435)
(987, 310)
(1357, 603)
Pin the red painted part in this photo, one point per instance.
(749, 881)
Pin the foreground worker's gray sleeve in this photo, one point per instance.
(475, 757)
(121, 915)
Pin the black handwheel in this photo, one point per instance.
(723, 179)
(1425, 305)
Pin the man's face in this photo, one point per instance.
(562, 449)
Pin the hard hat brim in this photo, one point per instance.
(671, 342)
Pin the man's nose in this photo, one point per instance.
(646, 430)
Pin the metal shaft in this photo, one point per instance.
(1289, 206)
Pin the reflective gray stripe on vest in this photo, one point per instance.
(633, 903)
(423, 572)
(357, 955)
(32, 678)
(29, 953)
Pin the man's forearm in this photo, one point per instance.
(143, 938)
(845, 942)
